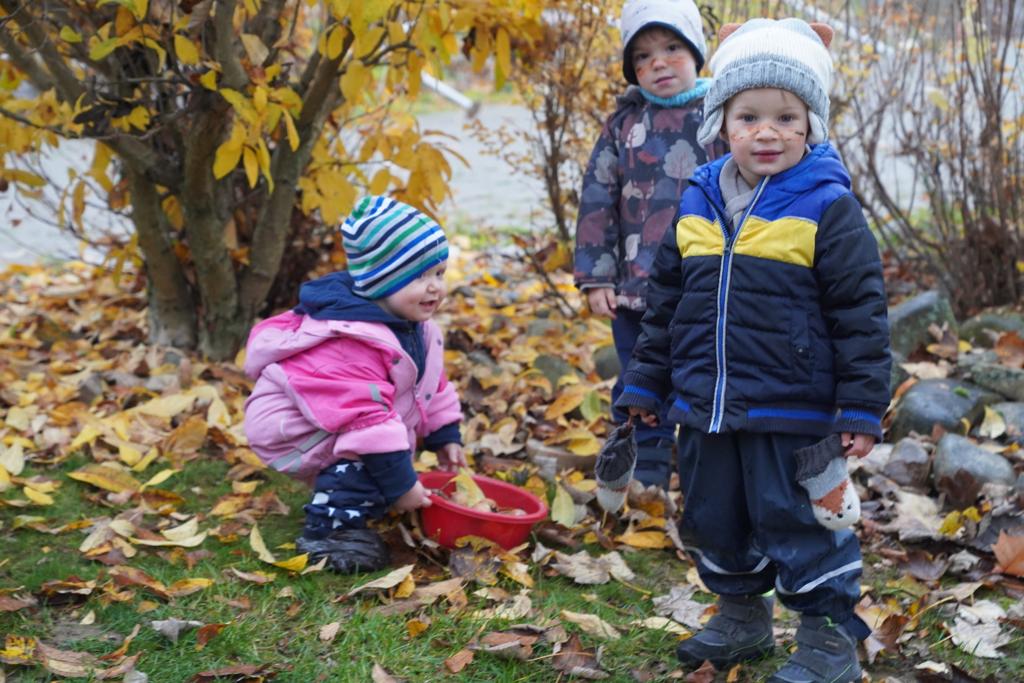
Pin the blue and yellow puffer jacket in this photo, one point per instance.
(777, 326)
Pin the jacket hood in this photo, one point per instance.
(819, 167)
(332, 298)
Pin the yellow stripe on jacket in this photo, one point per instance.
(789, 240)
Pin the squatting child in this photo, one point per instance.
(636, 174)
(349, 380)
(766, 330)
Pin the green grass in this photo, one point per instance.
(282, 629)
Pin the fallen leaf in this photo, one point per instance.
(108, 477)
(680, 606)
(65, 662)
(329, 631)
(1009, 551)
(661, 624)
(206, 633)
(381, 676)
(592, 624)
(458, 661)
(584, 569)
(390, 580)
(993, 425)
(172, 628)
(572, 659)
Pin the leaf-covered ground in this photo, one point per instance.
(141, 540)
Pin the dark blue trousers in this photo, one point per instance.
(344, 497)
(625, 331)
(749, 525)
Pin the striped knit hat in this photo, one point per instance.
(389, 244)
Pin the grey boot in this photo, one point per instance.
(348, 551)
(826, 653)
(654, 464)
(741, 630)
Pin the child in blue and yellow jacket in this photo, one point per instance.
(766, 330)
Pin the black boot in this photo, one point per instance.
(347, 550)
(741, 630)
(826, 653)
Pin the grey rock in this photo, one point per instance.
(161, 383)
(955, 453)
(550, 460)
(909, 464)
(1013, 416)
(939, 401)
(966, 361)
(606, 362)
(909, 321)
(553, 367)
(1019, 486)
(91, 388)
(986, 327)
(540, 327)
(999, 378)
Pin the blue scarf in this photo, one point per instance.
(680, 99)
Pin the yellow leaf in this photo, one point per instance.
(190, 542)
(294, 564)
(188, 587)
(141, 465)
(379, 184)
(503, 52)
(254, 49)
(335, 41)
(466, 489)
(563, 510)
(70, 35)
(252, 170)
(159, 478)
(12, 459)
(188, 436)
(5, 479)
(209, 80)
(993, 426)
(128, 454)
(37, 497)
(354, 81)
(257, 544)
(106, 476)
(645, 539)
(414, 627)
(227, 157)
(187, 51)
(405, 588)
(293, 134)
(167, 406)
(568, 400)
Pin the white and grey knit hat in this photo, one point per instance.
(389, 244)
(679, 16)
(765, 53)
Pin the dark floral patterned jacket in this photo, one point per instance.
(631, 190)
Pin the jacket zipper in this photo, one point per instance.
(724, 276)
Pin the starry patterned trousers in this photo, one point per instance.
(344, 497)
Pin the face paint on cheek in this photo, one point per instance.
(641, 70)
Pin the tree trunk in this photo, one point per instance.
(172, 319)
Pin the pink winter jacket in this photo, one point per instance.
(327, 390)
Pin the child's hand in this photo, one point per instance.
(413, 499)
(647, 417)
(601, 301)
(857, 445)
(451, 457)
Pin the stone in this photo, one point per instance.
(481, 357)
(955, 452)
(976, 356)
(986, 327)
(898, 374)
(540, 327)
(91, 388)
(553, 367)
(1019, 486)
(939, 401)
(909, 321)
(606, 362)
(999, 378)
(909, 464)
(1013, 416)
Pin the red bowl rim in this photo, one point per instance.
(530, 518)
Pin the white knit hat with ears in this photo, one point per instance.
(789, 54)
(678, 16)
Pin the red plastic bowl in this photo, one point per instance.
(445, 521)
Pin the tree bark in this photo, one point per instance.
(172, 319)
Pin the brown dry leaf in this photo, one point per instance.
(253, 577)
(189, 436)
(65, 662)
(1010, 349)
(704, 674)
(507, 644)
(184, 587)
(572, 659)
(240, 673)
(121, 651)
(328, 632)
(1009, 551)
(415, 627)
(584, 569)
(119, 670)
(206, 633)
(421, 597)
(130, 576)
(381, 676)
(458, 661)
(10, 603)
